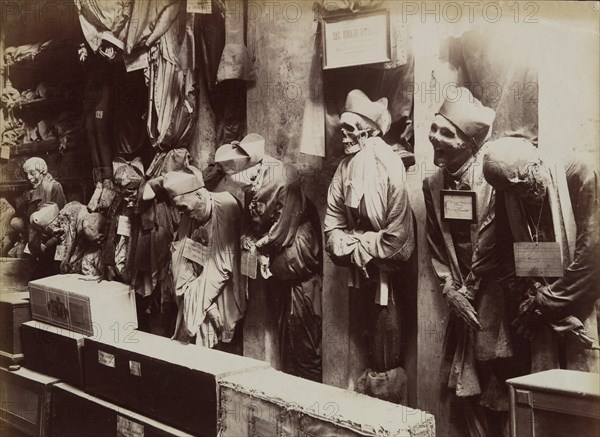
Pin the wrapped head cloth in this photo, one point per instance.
(178, 183)
(508, 160)
(376, 113)
(469, 115)
(239, 156)
(45, 215)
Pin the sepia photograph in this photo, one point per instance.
(299, 218)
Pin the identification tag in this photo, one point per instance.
(194, 251)
(458, 205)
(199, 7)
(60, 253)
(249, 263)
(538, 259)
(124, 226)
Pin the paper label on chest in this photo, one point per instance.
(5, 152)
(458, 205)
(249, 263)
(538, 259)
(124, 226)
(60, 253)
(195, 252)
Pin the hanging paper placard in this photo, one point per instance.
(359, 38)
(249, 263)
(60, 253)
(195, 252)
(538, 259)
(124, 226)
(136, 61)
(5, 152)
(199, 6)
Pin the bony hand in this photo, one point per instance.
(248, 243)
(462, 308)
(340, 243)
(214, 316)
(262, 242)
(360, 258)
(264, 261)
(581, 337)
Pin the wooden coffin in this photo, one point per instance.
(53, 351)
(14, 310)
(26, 400)
(77, 414)
(171, 382)
(272, 403)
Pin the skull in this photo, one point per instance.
(9, 55)
(356, 129)
(35, 169)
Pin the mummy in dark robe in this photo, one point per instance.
(546, 199)
(481, 350)
(280, 227)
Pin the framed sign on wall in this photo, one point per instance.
(356, 39)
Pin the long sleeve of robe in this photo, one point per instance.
(218, 280)
(277, 209)
(386, 196)
(439, 256)
(579, 285)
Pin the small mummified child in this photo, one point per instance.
(80, 235)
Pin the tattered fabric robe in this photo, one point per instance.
(279, 212)
(217, 282)
(467, 255)
(367, 197)
(569, 217)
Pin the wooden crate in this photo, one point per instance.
(26, 400)
(14, 310)
(272, 403)
(53, 351)
(161, 378)
(78, 414)
(555, 403)
(82, 304)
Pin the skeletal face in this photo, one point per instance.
(356, 129)
(451, 148)
(35, 169)
(34, 176)
(9, 55)
(529, 183)
(196, 204)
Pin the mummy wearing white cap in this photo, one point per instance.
(483, 350)
(363, 118)
(211, 298)
(369, 228)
